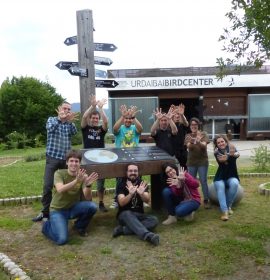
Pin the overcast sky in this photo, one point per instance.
(147, 33)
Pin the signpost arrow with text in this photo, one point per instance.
(103, 47)
(102, 61)
(65, 65)
(106, 83)
(77, 71)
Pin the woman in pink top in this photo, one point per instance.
(181, 195)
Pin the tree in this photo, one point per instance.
(25, 105)
(247, 40)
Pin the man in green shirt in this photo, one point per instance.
(69, 185)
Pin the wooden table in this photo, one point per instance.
(112, 162)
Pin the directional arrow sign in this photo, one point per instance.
(77, 71)
(65, 65)
(102, 60)
(100, 74)
(105, 47)
(71, 41)
(106, 83)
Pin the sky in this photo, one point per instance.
(147, 34)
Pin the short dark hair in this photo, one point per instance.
(169, 164)
(132, 164)
(74, 154)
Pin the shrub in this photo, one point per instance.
(261, 157)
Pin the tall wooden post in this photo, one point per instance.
(85, 43)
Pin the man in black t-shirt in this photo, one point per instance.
(132, 192)
(93, 136)
(163, 129)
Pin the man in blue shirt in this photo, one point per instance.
(59, 132)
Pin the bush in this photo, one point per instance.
(261, 157)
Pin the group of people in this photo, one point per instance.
(67, 187)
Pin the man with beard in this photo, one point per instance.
(132, 192)
(93, 136)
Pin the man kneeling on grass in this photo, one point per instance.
(69, 186)
(132, 192)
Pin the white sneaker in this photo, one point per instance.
(114, 205)
(190, 217)
(230, 211)
(170, 220)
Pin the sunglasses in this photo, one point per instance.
(132, 118)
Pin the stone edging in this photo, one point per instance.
(33, 198)
(262, 190)
(9, 267)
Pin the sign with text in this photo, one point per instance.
(106, 84)
(103, 47)
(77, 71)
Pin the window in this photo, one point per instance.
(258, 112)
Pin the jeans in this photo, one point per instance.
(202, 171)
(137, 223)
(52, 164)
(226, 192)
(56, 228)
(177, 207)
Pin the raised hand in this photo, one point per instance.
(123, 110)
(181, 109)
(71, 116)
(181, 172)
(92, 100)
(158, 113)
(101, 103)
(131, 188)
(81, 175)
(170, 113)
(88, 180)
(142, 187)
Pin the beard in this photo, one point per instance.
(133, 179)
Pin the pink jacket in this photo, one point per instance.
(189, 189)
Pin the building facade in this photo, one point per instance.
(239, 103)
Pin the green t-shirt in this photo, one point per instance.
(67, 199)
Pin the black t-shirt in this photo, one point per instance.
(178, 140)
(163, 139)
(93, 136)
(136, 203)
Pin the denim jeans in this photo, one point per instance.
(52, 164)
(202, 171)
(226, 192)
(56, 228)
(176, 207)
(137, 223)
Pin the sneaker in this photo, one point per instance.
(81, 232)
(117, 231)
(207, 204)
(190, 217)
(102, 207)
(225, 216)
(40, 217)
(114, 205)
(152, 238)
(170, 220)
(230, 211)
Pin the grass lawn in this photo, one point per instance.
(206, 248)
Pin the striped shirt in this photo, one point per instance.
(59, 137)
